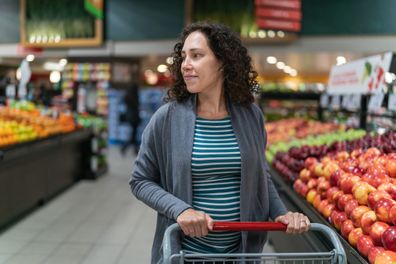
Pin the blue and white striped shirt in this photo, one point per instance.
(216, 175)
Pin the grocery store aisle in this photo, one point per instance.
(92, 222)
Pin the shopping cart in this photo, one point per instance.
(336, 255)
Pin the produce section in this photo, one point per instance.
(345, 179)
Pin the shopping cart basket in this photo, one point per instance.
(336, 255)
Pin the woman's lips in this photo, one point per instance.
(189, 78)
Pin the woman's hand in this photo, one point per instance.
(195, 223)
(296, 222)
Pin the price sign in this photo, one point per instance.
(335, 102)
(345, 101)
(375, 102)
(324, 100)
(392, 102)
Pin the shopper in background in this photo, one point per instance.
(202, 154)
(131, 100)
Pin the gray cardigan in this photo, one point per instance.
(161, 177)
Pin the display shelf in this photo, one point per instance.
(290, 96)
(304, 207)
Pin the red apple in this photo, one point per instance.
(388, 238)
(336, 196)
(382, 208)
(376, 231)
(311, 195)
(346, 227)
(367, 220)
(342, 156)
(322, 204)
(390, 167)
(375, 196)
(335, 177)
(357, 214)
(346, 184)
(354, 236)
(312, 183)
(364, 244)
(343, 200)
(316, 201)
(310, 161)
(372, 152)
(322, 187)
(318, 170)
(389, 188)
(356, 153)
(337, 218)
(379, 179)
(392, 214)
(386, 257)
(350, 206)
(330, 192)
(374, 251)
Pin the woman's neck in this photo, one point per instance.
(211, 106)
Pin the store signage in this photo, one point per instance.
(324, 100)
(345, 101)
(279, 14)
(355, 102)
(335, 102)
(361, 76)
(375, 102)
(392, 102)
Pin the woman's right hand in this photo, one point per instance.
(195, 223)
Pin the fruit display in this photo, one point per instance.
(356, 192)
(22, 121)
(286, 130)
(289, 158)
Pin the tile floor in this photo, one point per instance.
(93, 222)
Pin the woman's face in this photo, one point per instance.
(200, 68)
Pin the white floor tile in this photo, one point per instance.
(27, 259)
(103, 254)
(39, 248)
(11, 247)
(4, 258)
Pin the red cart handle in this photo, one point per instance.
(249, 226)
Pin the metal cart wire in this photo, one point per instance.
(336, 255)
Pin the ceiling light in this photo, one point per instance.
(261, 34)
(162, 68)
(281, 34)
(280, 65)
(63, 62)
(169, 60)
(293, 73)
(341, 60)
(30, 57)
(271, 60)
(55, 76)
(287, 69)
(271, 34)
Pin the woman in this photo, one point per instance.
(202, 154)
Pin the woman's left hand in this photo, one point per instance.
(296, 222)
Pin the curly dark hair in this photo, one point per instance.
(239, 76)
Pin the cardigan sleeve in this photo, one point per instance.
(145, 181)
(277, 207)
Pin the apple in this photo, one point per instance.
(379, 179)
(388, 238)
(312, 183)
(386, 257)
(318, 170)
(311, 195)
(346, 227)
(390, 167)
(350, 206)
(329, 169)
(357, 214)
(305, 175)
(389, 188)
(321, 205)
(316, 201)
(328, 209)
(382, 208)
(335, 177)
(342, 156)
(354, 236)
(392, 214)
(346, 184)
(343, 200)
(361, 191)
(310, 161)
(356, 153)
(364, 244)
(373, 253)
(372, 152)
(336, 196)
(330, 192)
(376, 231)
(337, 218)
(375, 196)
(322, 187)
(367, 220)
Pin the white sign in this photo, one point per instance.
(25, 77)
(375, 102)
(355, 102)
(324, 100)
(335, 101)
(392, 102)
(345, 101)
(361, 76)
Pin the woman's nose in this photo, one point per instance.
(186, 64)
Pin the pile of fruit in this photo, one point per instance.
(19, 125)
(356, 192)
(286, 130)
(290, 160)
